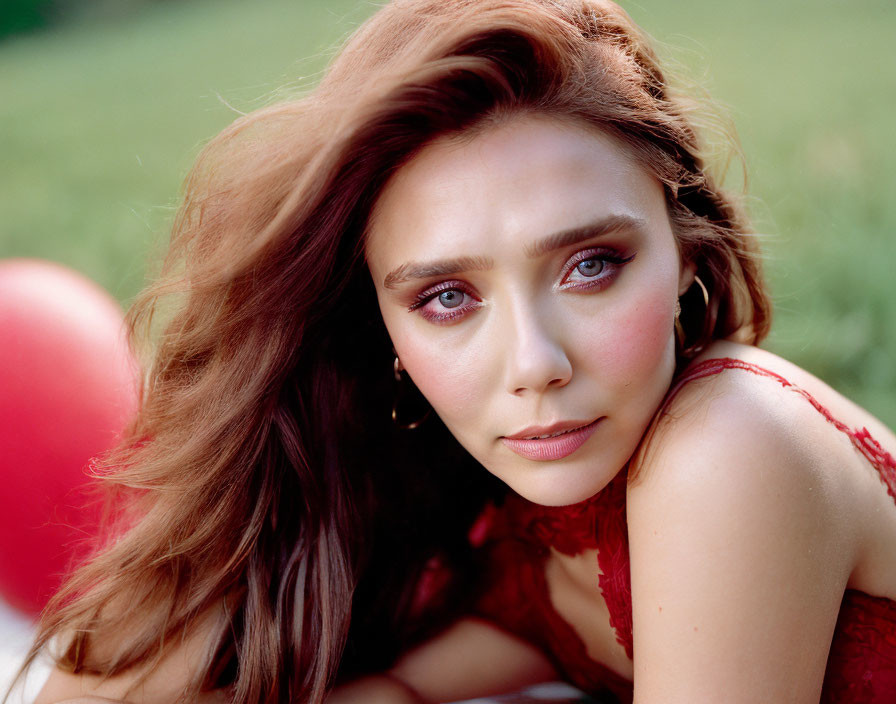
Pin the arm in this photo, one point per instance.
(93, 700)
(162, 685)
(740, 553)
(65, 688)
(472, 658)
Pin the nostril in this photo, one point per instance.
(553, 383)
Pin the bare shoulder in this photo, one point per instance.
(739, 500)
(746, 427)
(778, 429)
(745, 451)
(162, 680)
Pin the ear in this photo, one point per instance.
(686, 278)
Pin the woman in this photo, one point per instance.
(515, 191)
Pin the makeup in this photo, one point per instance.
(527, 277)
(556, 446)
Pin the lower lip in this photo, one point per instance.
(554, 448)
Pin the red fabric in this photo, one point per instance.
(862, 662)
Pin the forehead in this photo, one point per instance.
(510, 183)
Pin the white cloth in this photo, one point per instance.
(16, 632)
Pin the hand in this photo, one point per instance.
(92, 700)
(374, 689)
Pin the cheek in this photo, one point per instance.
(636, 344)
(447, 378)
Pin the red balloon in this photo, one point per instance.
(67, 389)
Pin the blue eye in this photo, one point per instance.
(595, 269)
(590, 267)
(451, 298)
(446, 302)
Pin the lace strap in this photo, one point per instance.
(861, 438)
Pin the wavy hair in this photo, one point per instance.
(262, 480)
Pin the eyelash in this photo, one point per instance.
(431, 293)
(601, 281)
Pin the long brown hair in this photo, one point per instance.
(262, 477)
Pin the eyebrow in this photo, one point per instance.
(599, 228)
(444, 267)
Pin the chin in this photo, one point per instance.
(549, 488)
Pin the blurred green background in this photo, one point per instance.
(103, 106)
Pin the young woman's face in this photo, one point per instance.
(528, 279)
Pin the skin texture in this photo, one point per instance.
(93, 700)
(579, 333)
(736, 584)
(161, 686)
(471, 659)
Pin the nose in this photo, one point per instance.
(536, 358)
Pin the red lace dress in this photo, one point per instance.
(862, 661)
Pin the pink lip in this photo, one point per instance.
(553, 448)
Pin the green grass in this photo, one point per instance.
(812, 90)
(100, 121)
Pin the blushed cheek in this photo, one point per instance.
(445, 378)
(638, 348)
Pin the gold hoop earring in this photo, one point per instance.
(679, 330)
(397, 368)
(703, 289)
